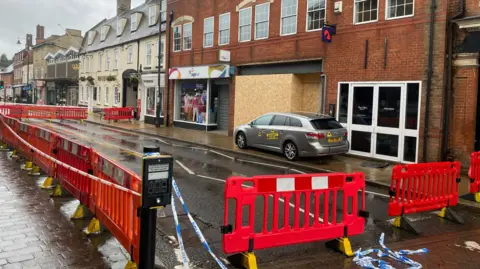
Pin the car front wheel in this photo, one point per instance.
(241, 140)
(290, 151)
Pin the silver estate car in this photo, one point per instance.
(294, 135)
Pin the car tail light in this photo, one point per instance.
(315, 136)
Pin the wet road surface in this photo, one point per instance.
(200, 174)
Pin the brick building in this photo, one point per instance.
(6, 75)
(387, 62)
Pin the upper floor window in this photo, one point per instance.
(129, 54)
(160, 56)
(119, 27)
(133, 24)
(152, 15)
(366, 11)
(107, 60)
(224, 29)
(399, 8)
(187, 36)
(163, 10)
(115, 59)
(207, 32)
(90, 38)
(315, 14)
(177, 38)
(87, 64)
(100, 60)
(262, 14)
(245, 25)
(148, 54)
(289, 17)
(103, 33)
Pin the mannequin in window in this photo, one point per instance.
(196, 103)
(187, 106)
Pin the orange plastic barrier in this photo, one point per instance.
(38, 112)
(423, 187)
(43, 112)
(269, 224)
(71, 113)
(118, 113)
(474, 174)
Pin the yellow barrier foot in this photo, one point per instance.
(477, 197)
(448, 213)
(81, 212)
(403, 223)
(3, 147)
(131, 265)
(47, 183)
(245, 260)
(58, 191)
(94, 227)
(35, 171)
(14, 154)
(342, 245)
(28, 166)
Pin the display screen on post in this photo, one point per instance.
(157, 181)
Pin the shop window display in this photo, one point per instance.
(193, 102)
(151, 101)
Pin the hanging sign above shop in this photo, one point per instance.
(200, 72)
(224, 56)
(327, 32)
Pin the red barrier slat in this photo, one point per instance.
(282, 189)
(118, 113)
(423, 187)
(474, 172)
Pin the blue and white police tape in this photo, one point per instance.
(365, 261)
(195, 226)
(179, 236)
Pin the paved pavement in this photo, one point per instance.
(36, 232)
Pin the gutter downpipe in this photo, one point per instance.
(433, 6)
(448, 87)
(167, 68)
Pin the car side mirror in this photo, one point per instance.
(250, 124)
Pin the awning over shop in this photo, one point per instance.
(18, 85)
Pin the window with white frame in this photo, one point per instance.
(129, 54)
(99, 94)
(160, 57)
(152, 15)
(262, 14)
(90, 38)
(119, 27)
(289, 17)
(106, 96)
(115, 59)
(399, 8)
(163, 10)
(117, 96)
(80, 94)
(224, 29)
(315, 14)
(208, 32)
(133, 24)
(177, 38)
(103, 33)
(100, 60)
(187, 36)
(366, 10)
(107, 60)
(148, 54)
(245, 24)
(87, 64)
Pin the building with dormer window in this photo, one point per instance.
(121, 58)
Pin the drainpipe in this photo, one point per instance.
(167, 68)
(448, 85)
(433, 6)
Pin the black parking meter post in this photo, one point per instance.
(156, 193)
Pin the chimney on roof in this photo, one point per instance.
(40, 34)
(29, 41)
(123, 5)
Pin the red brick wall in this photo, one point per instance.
(7, 79)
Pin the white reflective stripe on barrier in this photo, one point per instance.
(179, 236)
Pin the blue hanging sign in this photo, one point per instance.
(327, 34)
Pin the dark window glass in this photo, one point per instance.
(295, 122)
(362, 105)
(410, 149)
(279, 120)
(343, 103)
(265, 120)
(389, 107)
(411, 119)
(361, 141)
(95, 94)
(326, 124)
(387, 145)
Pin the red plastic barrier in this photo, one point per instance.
(26, 132)
(45, 141)
(39, 112)
(474, 173)
(72, 113)
(118, 113)
(323, 192)
(423, 187)
(43, 112)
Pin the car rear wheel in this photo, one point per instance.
(241, 140)
(290, 151)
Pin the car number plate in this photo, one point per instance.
(334, 140)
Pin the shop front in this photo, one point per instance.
(151, 98)
(201, 97)
(382, 118)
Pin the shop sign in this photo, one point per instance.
(76, 66)
(200, 72)
(224, 56)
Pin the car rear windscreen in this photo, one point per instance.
(326, 124)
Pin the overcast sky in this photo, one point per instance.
(19, 17)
